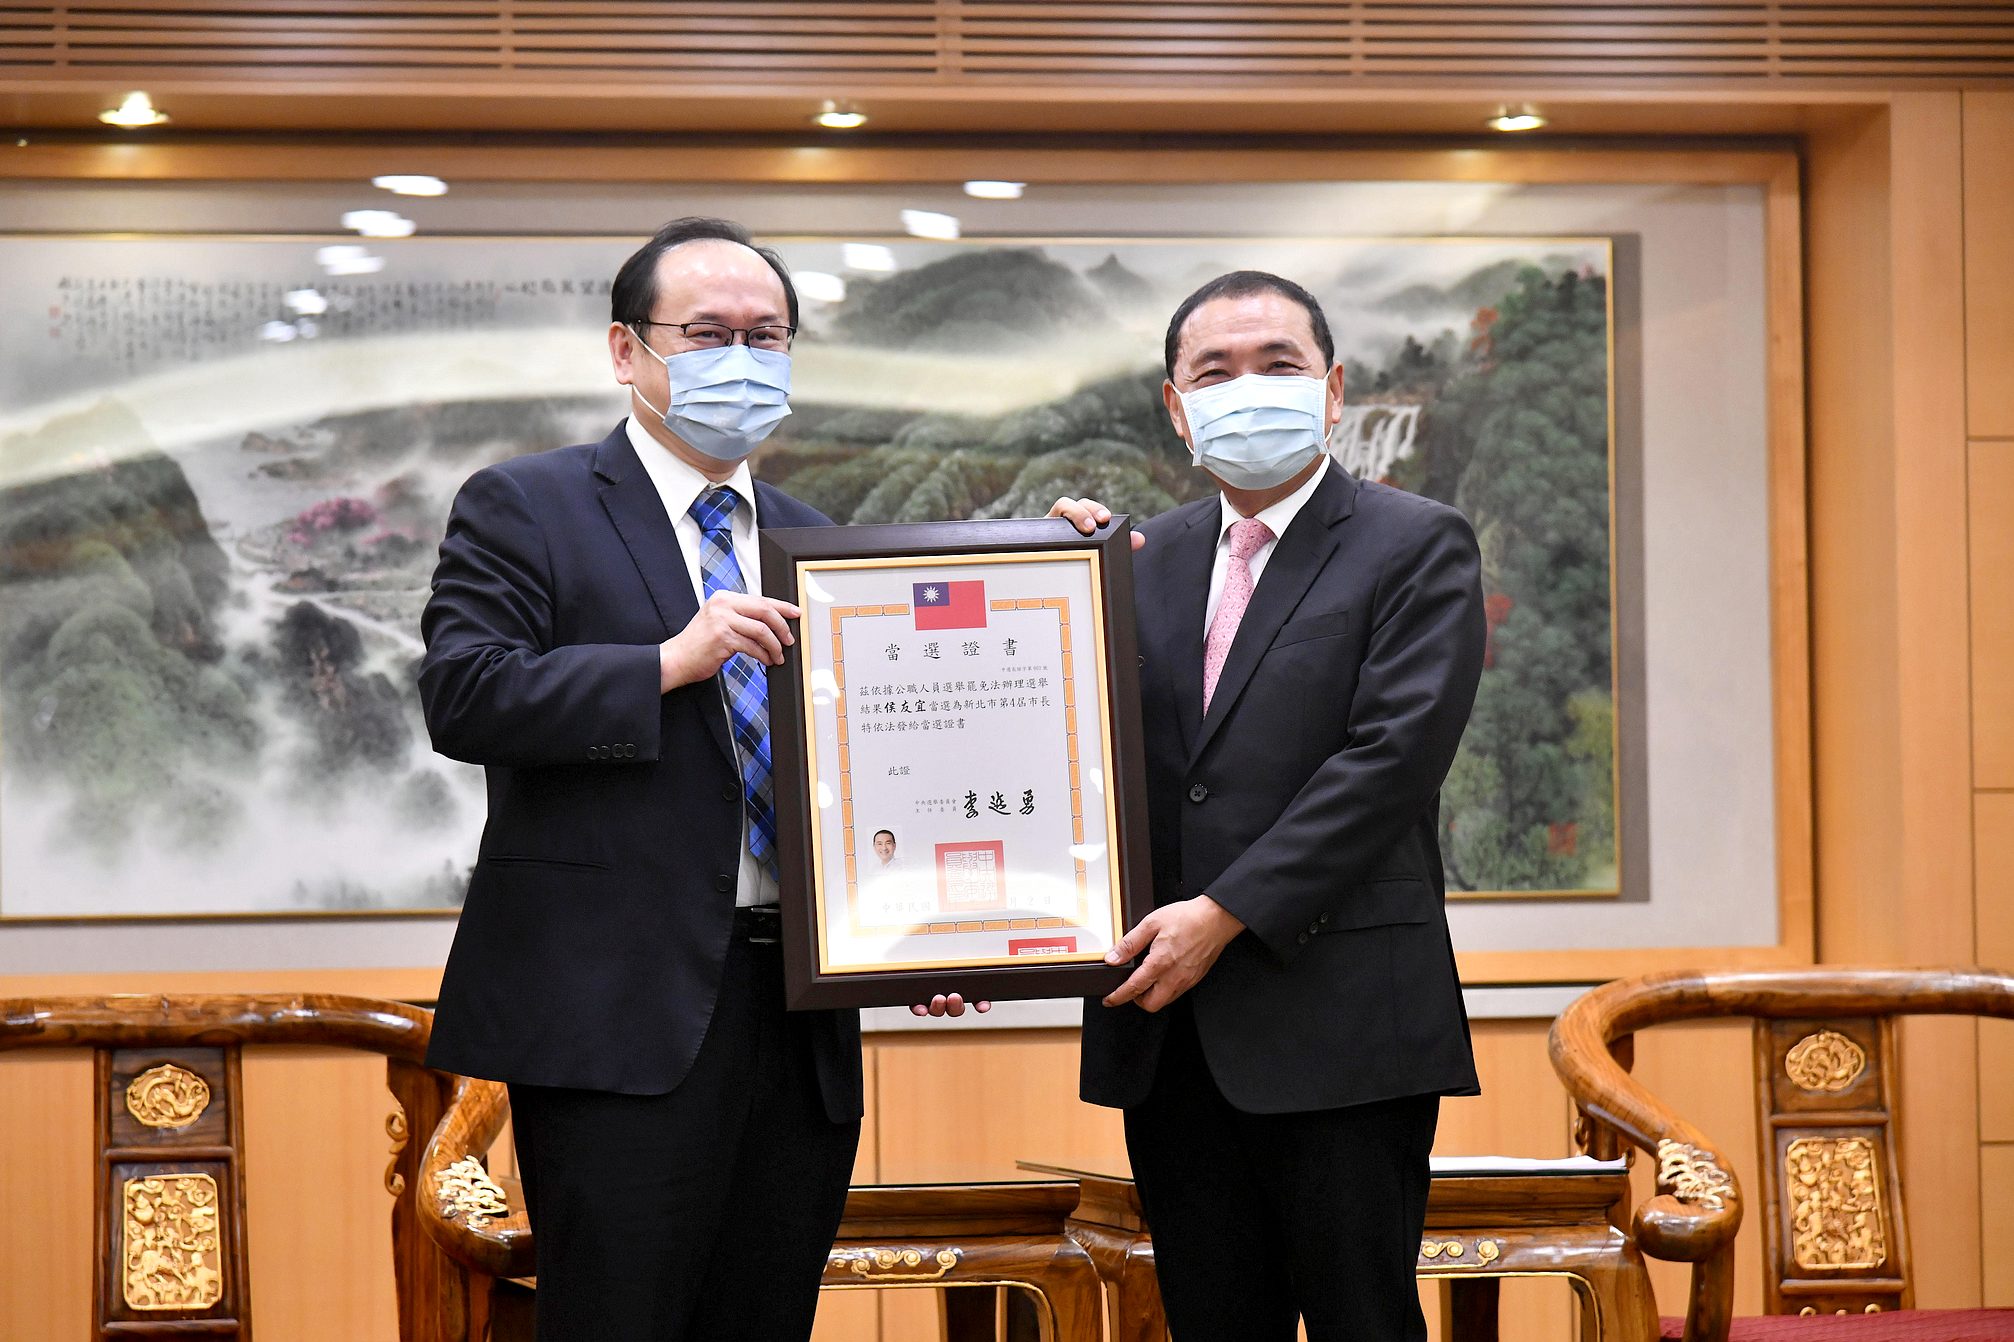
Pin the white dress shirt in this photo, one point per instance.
(679, 485)
(1277, 518)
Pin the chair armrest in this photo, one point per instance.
(1697, 1206)
(478, 1223)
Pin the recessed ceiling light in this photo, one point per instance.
(1516, 118)
(990, 190)
(348, 259)
(411, 184)
(819, 286)
(379, 223)
(840, 116)
(930, 224)
(134, 111)
(867, 256)
(307, 302)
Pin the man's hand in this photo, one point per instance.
(1182, 940)
(729, 622)
(1088, 515)
(940, 1005)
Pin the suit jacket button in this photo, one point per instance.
(728, 792)
(723, 884)
(1323, 919)
(594, 752)
(1197, 792)
(1302, 939)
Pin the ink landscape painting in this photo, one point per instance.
(225, 466)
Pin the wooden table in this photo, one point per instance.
(1028, 1260)
(1001, 1255)
(1484, 1223)
(972, 1241)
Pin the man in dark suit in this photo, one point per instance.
(1310, 648)
(595, 641)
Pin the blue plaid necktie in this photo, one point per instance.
(744, 678)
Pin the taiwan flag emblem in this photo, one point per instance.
(950, 605)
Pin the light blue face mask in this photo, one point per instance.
(724, 401)
(1257, 431)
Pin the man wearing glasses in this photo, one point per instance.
(595, 640)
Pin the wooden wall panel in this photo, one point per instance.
(1993, 817)
(46, 1145)
(1989, 265)
(848, 1316)
(1891, 672)
(319, 1217)
(1996, 1178)
(1522, 1110)
(1856, 766)
(1992, 536)
(968, 1106)
(1940, 1059)
(910, 1315)
(1707, 1071)
(867, 1163)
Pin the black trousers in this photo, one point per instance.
(1262, 1218)
(706, 1213)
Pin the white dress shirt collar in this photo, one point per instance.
(1279, 516)
(679, 483)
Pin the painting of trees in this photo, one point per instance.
(208, 635)
(1504, 416)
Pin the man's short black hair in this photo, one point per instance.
(889, 832)
(634, 293)
(1243, 284)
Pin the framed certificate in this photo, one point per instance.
(960, 785)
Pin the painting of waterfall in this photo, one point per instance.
(227, 462)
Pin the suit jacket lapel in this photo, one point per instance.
(1297, 558)
(637, 510)
(1188, 558)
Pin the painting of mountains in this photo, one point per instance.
(224, 473)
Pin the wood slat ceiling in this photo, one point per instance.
(839, 44)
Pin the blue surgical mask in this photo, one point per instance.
(724, 401)
(1257, 431)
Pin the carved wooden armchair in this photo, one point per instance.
(968, 1244)
(170, 1181)
(1825, 1055)
(477, 1220)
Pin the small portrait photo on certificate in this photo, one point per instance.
(958, 765)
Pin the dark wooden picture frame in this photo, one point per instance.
(806, 986)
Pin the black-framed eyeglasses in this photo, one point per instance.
(713, 335)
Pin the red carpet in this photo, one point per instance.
(1910, 1325)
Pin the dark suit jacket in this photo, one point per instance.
(1307, 801)
(591, 946)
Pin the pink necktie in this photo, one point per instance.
(1248, 536)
